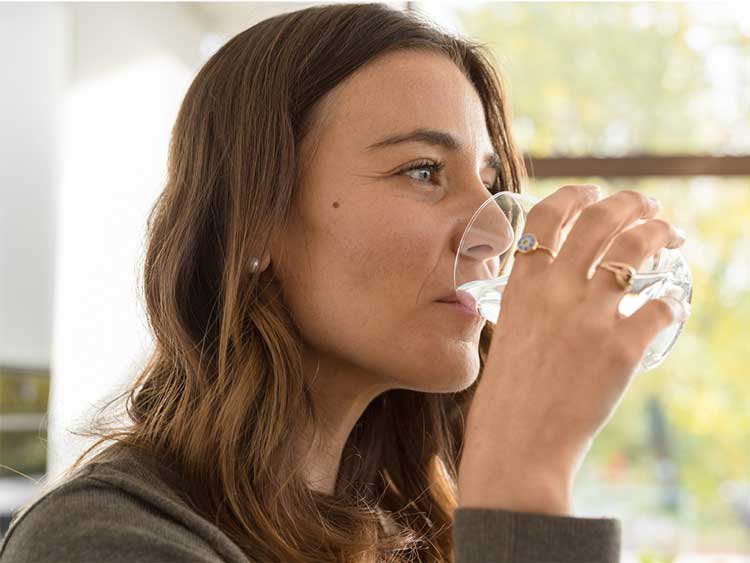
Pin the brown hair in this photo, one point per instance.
(222, 394)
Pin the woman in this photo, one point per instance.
(309, 398)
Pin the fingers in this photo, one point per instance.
(632, 246)
(640, 328)
(597, 225)
(549, 217)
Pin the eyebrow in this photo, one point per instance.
(433, 137)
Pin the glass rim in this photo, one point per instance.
(493, 197)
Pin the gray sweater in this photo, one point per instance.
(124, 511)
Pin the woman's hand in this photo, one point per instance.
(561, 355)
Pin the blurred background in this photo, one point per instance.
(646, 96)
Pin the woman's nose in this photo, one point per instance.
(491, 235)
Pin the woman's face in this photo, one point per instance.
(370, 249)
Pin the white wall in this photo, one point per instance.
(31, 89)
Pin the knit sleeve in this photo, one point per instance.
(86, 521)
(484, 535)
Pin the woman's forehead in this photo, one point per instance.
(404, 94)
(404, 85)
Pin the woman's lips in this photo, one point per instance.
(465, 304)
(467, 299)
(460, 307)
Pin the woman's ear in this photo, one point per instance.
(274, 250)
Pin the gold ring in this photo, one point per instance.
(528, 243)
(624, 273)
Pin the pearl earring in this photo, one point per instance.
(256, 264)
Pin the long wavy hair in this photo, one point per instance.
(222, 394)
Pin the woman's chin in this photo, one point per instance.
(454, 372)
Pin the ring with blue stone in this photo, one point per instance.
(528, 243)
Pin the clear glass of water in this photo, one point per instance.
(486, 255)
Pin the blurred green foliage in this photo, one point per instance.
(23, 445)
(23, 391)
(25, 452)
(593, 79)
(649, 557)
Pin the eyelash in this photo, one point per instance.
(435, 167)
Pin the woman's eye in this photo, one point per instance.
(433, 168)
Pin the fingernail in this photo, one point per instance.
(675, 292)
(686, 310)
(681, 234)
(655, 204)
(680, 307)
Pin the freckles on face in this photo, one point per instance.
(376, 254)
(373, 302)
(372, 249)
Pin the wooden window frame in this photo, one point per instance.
(637, 166)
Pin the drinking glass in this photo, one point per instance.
(486, 254)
